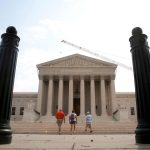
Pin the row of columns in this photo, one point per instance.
(82, 95)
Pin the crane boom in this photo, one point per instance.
(97, 55)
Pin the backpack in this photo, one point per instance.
(72, 117)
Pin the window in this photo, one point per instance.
(132, 111)
(13, 110)
(21, 110)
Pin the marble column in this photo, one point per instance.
(60, 93)
(70, 94)
(92, 96)
(112, 93)
(82, 97)
(50, 96)
(40, 96)
(103, 97)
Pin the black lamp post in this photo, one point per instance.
(8, 59)
(141, 68)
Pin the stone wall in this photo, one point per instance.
(21, 102)
(126, 105)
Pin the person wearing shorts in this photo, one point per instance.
(73, 121)
(60, 116)
(88, 122)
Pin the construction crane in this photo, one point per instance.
(98, 55)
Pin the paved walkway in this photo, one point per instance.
(74, 142)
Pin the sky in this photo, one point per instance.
(101, 26)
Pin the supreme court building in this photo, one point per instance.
(79, 83)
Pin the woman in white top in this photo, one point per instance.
(88, 122)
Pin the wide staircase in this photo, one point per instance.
(107, 127)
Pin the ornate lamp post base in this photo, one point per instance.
(142, 135)
(5, 133)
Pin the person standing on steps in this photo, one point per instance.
(88, 122)
(73, 121)
(60, 116)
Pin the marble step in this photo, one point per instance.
(45, 128)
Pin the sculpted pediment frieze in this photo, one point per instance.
(76, 60)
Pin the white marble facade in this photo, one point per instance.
(81, 83)
(76, 82)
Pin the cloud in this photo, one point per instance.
(37, 32)
(44, 29)
(68, 1)
(51, 24)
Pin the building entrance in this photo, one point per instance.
(76, 105)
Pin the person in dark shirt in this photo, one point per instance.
(73, 121)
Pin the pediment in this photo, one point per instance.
(76, 60)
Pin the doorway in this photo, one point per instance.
(76, 106)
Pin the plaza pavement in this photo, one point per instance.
(74, 142)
